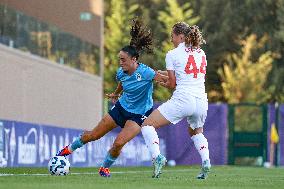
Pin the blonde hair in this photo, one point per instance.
(180, 28)
(193, 37)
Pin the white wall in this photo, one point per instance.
(35, 90)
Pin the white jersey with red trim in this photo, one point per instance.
(190, 69)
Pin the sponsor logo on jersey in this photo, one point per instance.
(138, 76)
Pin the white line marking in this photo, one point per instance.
(93, 173)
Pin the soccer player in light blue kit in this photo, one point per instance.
(135, 81)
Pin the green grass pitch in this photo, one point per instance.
(221, 177)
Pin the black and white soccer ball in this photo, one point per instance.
(59, 165)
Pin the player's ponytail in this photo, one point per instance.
(141, 39)
(194, 37)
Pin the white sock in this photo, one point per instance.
(201, 145)
(152, 140)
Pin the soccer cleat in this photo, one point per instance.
(205, 169)
(159, 162)
(64, 152)
(104, 172)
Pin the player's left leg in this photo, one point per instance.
(155, 120)
(130, 130)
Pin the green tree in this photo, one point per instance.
(244, 79)
(172, 14)
(226, 22)
(277, 74)
(223, 24)
(117, 35)
(87, 63)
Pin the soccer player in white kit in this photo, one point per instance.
(186, 69)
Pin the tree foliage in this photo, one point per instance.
(117, 27)
(172, 14)
(243, 79)
(224, 23)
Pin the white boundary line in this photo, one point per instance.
(92, 173)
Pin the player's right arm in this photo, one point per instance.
(116, 94)
(161, 77)
(171, 82)
(162, 72)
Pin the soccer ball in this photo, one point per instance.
(58, 165)
(171, 163)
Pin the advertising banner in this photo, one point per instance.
(3, 162)
(32, 145)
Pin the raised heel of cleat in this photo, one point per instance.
(64, 152)
(206, 166)
(159, 163)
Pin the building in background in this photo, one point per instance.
(58, 30)
(33, 87)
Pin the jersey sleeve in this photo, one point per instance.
(169, 61)
(149, 73)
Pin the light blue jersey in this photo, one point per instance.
(137, 89)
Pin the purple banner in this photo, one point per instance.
(280, 123)
(32, 145)
(24, 144)
(271, 120)
(281, 134)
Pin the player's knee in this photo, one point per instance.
(195, 131)
(148, 121)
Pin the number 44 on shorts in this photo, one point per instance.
(194, 69)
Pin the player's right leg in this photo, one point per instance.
(205, 169)
(201, 145)
(104, 126)
(196, 122)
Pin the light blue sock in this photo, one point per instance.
(77, 143)
(109, 160)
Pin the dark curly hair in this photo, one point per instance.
(141, 39)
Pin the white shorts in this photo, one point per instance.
(190, 107)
